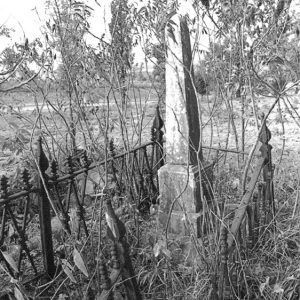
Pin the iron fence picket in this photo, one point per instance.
(251, 218)
(45, 214)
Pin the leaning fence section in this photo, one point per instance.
(129, 177)
(243, 229)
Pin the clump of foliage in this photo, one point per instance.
(120, 29)
(201, 85)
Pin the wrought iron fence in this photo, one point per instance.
(131, 175)
(244, 230)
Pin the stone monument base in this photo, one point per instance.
(180, 206)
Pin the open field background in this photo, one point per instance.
(22, 113)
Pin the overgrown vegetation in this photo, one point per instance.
(79, 95)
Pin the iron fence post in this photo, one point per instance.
(265, 138)
(44, 214)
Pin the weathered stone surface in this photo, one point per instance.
(182, 119)
(179, 182)
(180, 223)
(177, 133)
(179, 187)
(176, 179)
(189, 254)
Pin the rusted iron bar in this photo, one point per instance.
(18, 195)
(22, 238)
(26, 178)
(45, 216)
(226, 150)
(3, 187)
(157, 141)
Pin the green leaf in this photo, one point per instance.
(264, 285)
(156, 249)
(74, 222)
(79, 262)
(161, 247)
(258, 269)
(278, 289)
(18, 294)
(13, 124)
(166, 252)
(67, 268)
(171, 34)
(67, 264)
(10, 260)
(11, 230)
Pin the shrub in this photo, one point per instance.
(200, 83)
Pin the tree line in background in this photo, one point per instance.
(241, 42)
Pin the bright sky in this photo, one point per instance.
(21, 16)
(27, 16)
(24, 17)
